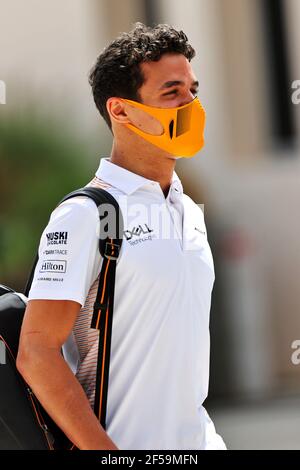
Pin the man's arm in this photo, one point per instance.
(46, 326)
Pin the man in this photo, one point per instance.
(159, 364)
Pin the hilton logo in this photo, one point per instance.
(53, 266)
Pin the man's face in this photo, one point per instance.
(168, 83)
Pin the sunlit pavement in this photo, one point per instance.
(274, 424)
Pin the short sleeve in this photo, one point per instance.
(69, 257)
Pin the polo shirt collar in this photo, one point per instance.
(126, 180)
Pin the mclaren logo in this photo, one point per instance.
(200, 231)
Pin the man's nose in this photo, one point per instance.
(189, 96)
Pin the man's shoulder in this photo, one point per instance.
(190, 204)
(76, 205)
(81, 208)
(77, 210)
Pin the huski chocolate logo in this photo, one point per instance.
(57, 238)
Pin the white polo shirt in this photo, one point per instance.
(159, 366)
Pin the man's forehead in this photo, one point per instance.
(169, 70)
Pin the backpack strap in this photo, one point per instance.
(99, 196)
(102, 320)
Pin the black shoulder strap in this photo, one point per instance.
(109, 248)
(99, 196)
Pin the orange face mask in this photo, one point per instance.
(183, 133)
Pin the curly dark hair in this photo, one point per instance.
(117, 72)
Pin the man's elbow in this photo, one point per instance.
(24, 362)
(31, 361)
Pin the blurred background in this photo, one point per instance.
(247, 176)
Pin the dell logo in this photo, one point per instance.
(137, 231)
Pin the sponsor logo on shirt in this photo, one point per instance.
(135, 235)
(201, 231)
(55, 252)
(53, 266)
(57, 238)
(137, 231)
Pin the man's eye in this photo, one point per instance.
(173, 92)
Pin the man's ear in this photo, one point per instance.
(116, 109)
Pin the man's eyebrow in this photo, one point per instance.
(176, 83)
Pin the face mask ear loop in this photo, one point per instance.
(156, 114)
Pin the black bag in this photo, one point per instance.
(24, 424)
